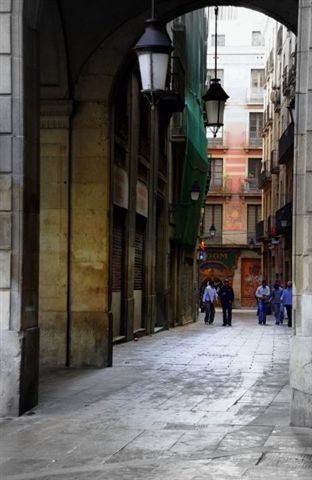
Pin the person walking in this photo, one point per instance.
(208, 298)
(287, 301)
(210, 295)
(226, 295)
(263, 295)
(214, 297)
(276, 301)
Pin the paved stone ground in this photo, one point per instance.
(193, 403)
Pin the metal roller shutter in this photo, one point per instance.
(117, 254)
(139, 255)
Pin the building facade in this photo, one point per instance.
(276, 177)
(233, 203)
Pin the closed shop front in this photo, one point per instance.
(118, 268)
(139, 255)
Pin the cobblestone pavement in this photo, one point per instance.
(194, 403)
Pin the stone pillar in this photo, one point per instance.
(19, 203)
(301, 348)
(54, 222)
(89, 341)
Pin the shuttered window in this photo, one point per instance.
(139, 254)
(255, 127)
(216, 172)
(257, 81)
(253, 217)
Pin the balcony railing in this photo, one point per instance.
(221, 188)
(215, 142)
(286, 145)
(255, 142)
(250, 185)
(255, 96)
(284, 219)
(264, 178)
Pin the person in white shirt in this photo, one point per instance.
(263, 295)
(210, 295)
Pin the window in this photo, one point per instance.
(213, 215)
(257, 80)
(253, 217)
(255, 128)
(220, 40)
(216, 174)
(254, 167)
(257, 39)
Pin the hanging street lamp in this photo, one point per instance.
(215, 97)
(153, 50)
(212, 231)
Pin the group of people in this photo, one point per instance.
(277, 297)
(226, 295)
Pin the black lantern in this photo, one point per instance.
(195, 191)
(215, 97)
(212, 231)
(153, 50)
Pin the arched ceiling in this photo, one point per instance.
(88, 24)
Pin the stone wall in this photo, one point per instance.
(19, 204)
(301, 351)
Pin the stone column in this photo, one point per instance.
(89, 341)
(54, 223)
(19, 203)
(301, 347)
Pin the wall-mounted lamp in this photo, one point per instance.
(153, 50)
(194, 197)
(215, 97)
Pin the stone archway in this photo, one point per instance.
(19, 127)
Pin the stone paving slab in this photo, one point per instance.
(193, 403)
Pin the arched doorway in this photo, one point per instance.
(19, 139)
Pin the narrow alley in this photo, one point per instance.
(193, 403)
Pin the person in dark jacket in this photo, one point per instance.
(226, 295)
